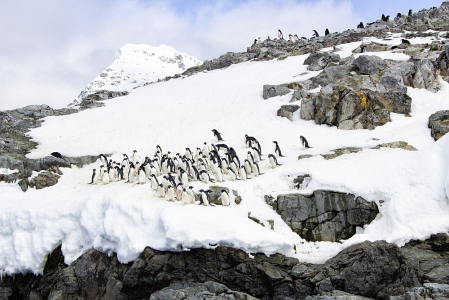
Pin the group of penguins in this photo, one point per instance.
(295, 38)
(198, 166)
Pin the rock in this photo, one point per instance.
(336, 295)
(439, 124)
(216, 193)
(307, 111)
(338, 152)
(324, 216)
(425, 76)
(270, 91)
(302, 181)
(43, 180)
(304, 156)
(394, 145)
(287, 111)
(369, 64)
(392, 81)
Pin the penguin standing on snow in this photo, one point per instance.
(224, 197)
(160, 191)
(170, 194)
(232, 175)
(277, 150)
(105, 178)
(217, 135)
(205, 197)
(104, 160)
(94, 177)
(304, 142)
(191, 195)
(142, 175)
(280, 35)
(154, 182)
(185, 197)
(255, 169)
(273, 161)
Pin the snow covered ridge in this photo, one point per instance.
(136, 65)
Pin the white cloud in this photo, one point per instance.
(51, 49)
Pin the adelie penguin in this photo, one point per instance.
(280, 35)
(273, 161)
(217, 135)
(304, 142)
(56, 154)
(277, 150)
(315, 33)
(326, 32)
(224, 197)
(361, 25)
(94, 177)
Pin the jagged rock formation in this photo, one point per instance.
(370, 269)
(324, 215)
(92, 100)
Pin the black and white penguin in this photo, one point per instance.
(136, 157)
(277, 150)
(220, 146)
(142, 175)
(56, 154)
(387, 19)
(206, 150)
(255, 169)
(205, 177)
(255, 42)
(326, 32)
(231, 174)
(191, 195)
(399, 15)
(259, 40)
(217, 135)
(247, 166)
(361, 25)
(94, 177)
(280, 35)
(170, 195)
(160, 191)
(179, 189)
(132, 173)
(218, 175)
(316, 34)
(243, 174)
(291, 38)
(205, 197)
(257, 155)
(250, 157)
(304, 142)
(105, 178)
(410, 12)
(224, 197)
(185, 197)
(154, 182)
(296, 38)
(249, 140)
(384, 19)
(405, 42)
(273, 161)
(104, 160)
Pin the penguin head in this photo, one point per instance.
(190, 187)
(135, 151)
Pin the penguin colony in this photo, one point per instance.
(294, 38)
(170, 174)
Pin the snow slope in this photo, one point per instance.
(135, 65)
(410, 188)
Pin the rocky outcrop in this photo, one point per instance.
(369, 64)
(319, 60)
(324, 215)
(427, 291)
(286, 111)
(375, 270)
(93, 100)
(439, 124)
(270, 91)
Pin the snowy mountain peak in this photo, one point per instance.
(135, 65)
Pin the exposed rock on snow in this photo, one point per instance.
(287, 111)
(325, 215)
(270, 91)
(369, 64)
(92, 100)
(439, 124)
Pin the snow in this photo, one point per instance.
(136, 65)
(410, 188)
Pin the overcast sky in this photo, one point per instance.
(50, 50)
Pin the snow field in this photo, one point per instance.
(125, 218)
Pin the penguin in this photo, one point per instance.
(361, 25)
(387, 19)
(217, 135)
(188, 153)
(94, 177)
(164, 183)
(142, 175)
(384, 19)
(205, 177)
(277, 150)
(120, 172)
(219, 175)
(290, 37)
(255, 42)
(185, 197)
(280, 35)
(326, 32)
(296, 38)
(273, 161)
(255, 169)
(405, 42)
(259, 40)
(136, 157)
(191, 195)
(56, 154)
(232, 175)
(170, 196)
(410, 13)
(104, 160)
(233, 167)
(243, 174)
(247, 166)
(105, 178)
(206, 150)
(184, 178)
(160, 191)
(131, 174)
(224, 197)
(249, 140)
(204, 199)
(154, 182)
(316, 34)
(224, 165)
(158, 148)
(224, 146)
(179, 189)
(304, 142)
(399, 15)
(257, 155)
(112, 174)
(250, 157)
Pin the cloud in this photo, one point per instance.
(51, 49)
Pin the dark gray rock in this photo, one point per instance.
(425, 76)
(43, 180)
(325, 215)
(439, 124)
(287, 111)
(369, 64)
(92, 100)
(393, 81)
(274, 90)
(307, 111)
(336, 295)
(319, 60)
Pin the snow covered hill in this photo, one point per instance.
(410, 187)
(135, 65)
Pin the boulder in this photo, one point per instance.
(369, 64)
(439, 124)
(307, 111)
(270, 91)
(425, 76)
(392, 80)
(325, 215)
(286, 111)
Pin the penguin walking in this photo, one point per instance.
(304, 142)
(224, 197)
(104, 160)
(160, 191)
(142, 175)
(255, 169)
(94, 177)
(273, 161)
(243, 174)
(154, 182)
(185, 197)
(205, 197)
(280, 35)
(277, 150)
(217, 135)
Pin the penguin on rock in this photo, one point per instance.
(224, 197)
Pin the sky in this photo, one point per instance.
(50, 50)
